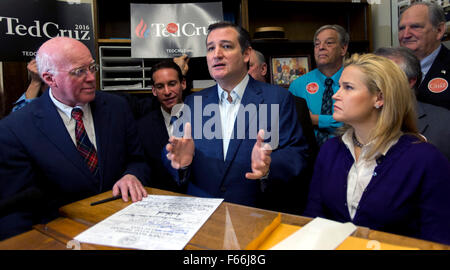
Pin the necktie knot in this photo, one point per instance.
(175, 118)
(77, 114)
(328, 82)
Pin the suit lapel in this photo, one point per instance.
(49, 122)
(160, 127)
(437, 67)
(103, 132)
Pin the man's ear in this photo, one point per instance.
(264, 69)
(440, 30)
(183, 84)
(412, 82)
(49, 79)
(344, 50)
(246, 54)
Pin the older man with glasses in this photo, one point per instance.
(70, 143)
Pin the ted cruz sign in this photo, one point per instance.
(24, 29)
(170, 30)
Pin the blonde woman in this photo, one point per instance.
(379, 172)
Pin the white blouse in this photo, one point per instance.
(361, 171)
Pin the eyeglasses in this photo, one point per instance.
(83, 71)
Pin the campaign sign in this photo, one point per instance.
(26, 24)
(170, 30)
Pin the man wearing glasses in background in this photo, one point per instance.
(319, 85)
(71, 143)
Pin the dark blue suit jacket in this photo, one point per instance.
(37, 152)
(211, 176)
(154, 137)
(439, 69)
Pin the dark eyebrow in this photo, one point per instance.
(220, 41)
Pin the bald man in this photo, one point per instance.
(71, 143)
(258, 67)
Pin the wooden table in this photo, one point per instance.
(246, 224)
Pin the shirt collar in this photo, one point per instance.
(67, 110)
(426, 63)
(336, 76)
(236, 93)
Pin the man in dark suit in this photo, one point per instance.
(258, 70)
(421, 28)
(225, 155)
(70, 143)
(432, 120)
(289, 197)
(156, 127)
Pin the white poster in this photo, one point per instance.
(171, 30)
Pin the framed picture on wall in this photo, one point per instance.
(285, 69)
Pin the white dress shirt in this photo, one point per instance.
(66, 115)
(361, 171)
(426, 63)
(228, 111)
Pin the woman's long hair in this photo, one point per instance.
(397, 115)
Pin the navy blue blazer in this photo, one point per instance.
(408, 193)
(37, 151)
(154, 138)
(439, 69)
(211, 176)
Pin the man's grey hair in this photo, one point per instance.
(259, 56)
(344, 37)
(410, 64)
(435, 12)
(45, 63)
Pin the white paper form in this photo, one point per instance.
(158, 222)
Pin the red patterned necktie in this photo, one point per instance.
(84, 145)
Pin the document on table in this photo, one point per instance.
(318, 234)
(158, 222)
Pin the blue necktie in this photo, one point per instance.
(327, 103)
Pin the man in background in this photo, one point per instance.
(34, 89)
(258, 66)
(421, 28)
(432, 120)
(157, 126)
(319, 85)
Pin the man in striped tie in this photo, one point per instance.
(71, 143)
